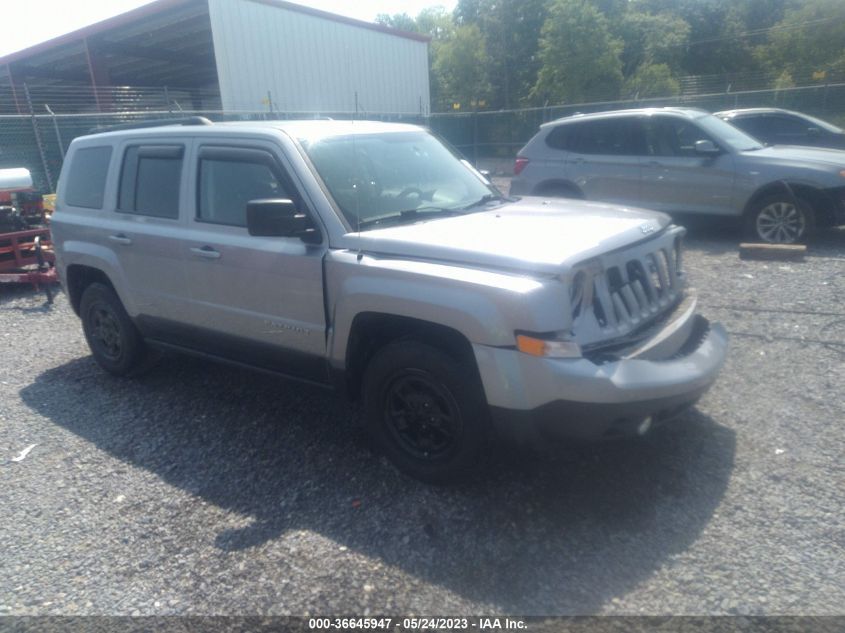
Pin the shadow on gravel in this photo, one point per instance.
(559, 533)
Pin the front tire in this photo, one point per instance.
(426, 411)
(781, 219)
(114, 340)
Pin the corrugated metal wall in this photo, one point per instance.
(311, 64)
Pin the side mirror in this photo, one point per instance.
(813, 132)
(706, 147)
(280, 218)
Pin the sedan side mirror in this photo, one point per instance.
(706, 146)
(813, 132)
(280, 218)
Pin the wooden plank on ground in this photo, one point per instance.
(783, 252)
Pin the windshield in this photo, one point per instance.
(404, 176)
(823, 125)
(727, 133)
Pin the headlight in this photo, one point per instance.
(547, 347)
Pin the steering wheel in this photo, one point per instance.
(410, 191)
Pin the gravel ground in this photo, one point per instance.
(203, 489)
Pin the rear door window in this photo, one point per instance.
(150, 180)
(617, 136)
(87, 177)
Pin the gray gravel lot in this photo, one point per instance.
(203, 489)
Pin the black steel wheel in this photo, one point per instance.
(426, 411)
(114, 341)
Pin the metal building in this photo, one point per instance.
(235, 55)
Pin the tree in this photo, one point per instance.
(652, 80)
(435, 22)
(460, 68)
(719, 39)
(651, 39)
(810, 39)
(511, 29)
(401, 21)
(579, 56)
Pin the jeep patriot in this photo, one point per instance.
(371, 259)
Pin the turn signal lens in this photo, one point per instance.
(547, 349)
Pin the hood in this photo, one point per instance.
(801, 154)
(531, 235)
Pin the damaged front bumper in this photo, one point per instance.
(609, 392)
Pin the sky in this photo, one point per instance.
(29, 22)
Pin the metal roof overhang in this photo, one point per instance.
(165, 43)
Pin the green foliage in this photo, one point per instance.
(435, 22)
(401, 21)
(512, 30)
(651, 39)
(579, 55)
(521, 52)
(460, 68)
(811, 38)
(651, 80)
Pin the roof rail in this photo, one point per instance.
(188, 120)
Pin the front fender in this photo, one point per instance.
(486, 307)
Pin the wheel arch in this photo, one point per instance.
(820, 202)
(79, 277)
(371, 331)
(556, 186)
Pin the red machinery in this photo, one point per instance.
(26, 250)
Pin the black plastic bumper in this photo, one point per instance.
(562, 419)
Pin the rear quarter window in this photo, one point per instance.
(561, 138)
(86, 180)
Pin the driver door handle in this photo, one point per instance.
(120, 238)
(206, 252)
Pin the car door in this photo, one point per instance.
(144, 228)
(257, 300)
(605, 156)
(783, 129)
(678, 179)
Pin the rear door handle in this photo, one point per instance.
(207, 252)
(120, 238)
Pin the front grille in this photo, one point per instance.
(621, 292)
(636, 290)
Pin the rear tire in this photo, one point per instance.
(114, 340)
(781, 219)
(426, 411)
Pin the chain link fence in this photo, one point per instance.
(500, 134)
(37, 139)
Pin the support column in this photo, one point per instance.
(99, 75)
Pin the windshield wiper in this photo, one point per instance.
(485, 199)
(409, 215)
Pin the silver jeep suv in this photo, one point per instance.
(369, 259)
(680, 160)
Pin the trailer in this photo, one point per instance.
(26, 248)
